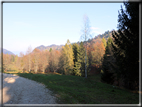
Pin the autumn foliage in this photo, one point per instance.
(69, 60)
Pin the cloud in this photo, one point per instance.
(93, 28)
(96, 30)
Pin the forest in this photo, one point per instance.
(114, 55)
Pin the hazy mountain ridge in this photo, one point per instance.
(5, 51)
(58, 47)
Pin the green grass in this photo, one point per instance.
(78, 90)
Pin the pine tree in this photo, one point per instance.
(75, 48)
(126, 45)
(108, 64)
(77, 65)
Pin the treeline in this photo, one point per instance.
(70, 60)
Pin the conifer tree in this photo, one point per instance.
(75, 48)
(126, 44)
(108, 64)
(77, 65)
(104, 41)
(81, 60)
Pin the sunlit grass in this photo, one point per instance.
(79, 90)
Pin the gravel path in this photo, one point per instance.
(19, 90)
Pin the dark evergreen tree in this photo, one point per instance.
(77, 65)
(81, 59)
(75, 51)
(108, 64)
(126, 44)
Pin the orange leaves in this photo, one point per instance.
(95, 52)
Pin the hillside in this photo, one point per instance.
(5, 51)
(53, 46)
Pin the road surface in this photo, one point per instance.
(19, 90)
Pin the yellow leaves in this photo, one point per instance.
(67, 56)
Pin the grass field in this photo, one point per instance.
(78, 90)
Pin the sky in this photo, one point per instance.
(35, 24)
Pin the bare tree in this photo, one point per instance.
(36, 54)
(54, 60)
(44, 60)
(85, 36)
(6, 61)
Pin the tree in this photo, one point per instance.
(83, 60)
(77, 64)
(90, 49)
(109, 63)
(44, 60)
(66, 59)
(104, 41)
(75, 48)
(6, 62)
(97, 53)
(54, 60)
(126, 44)
(36, 54)
(85, 36)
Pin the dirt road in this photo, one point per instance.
(19, 90)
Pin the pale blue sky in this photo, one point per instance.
(36, 24)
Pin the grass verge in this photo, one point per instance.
(78, 90)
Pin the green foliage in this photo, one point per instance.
(79, 59)
(50, 50)
(77, 67)
(66, 58)
(75, 48)
(126, 44)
